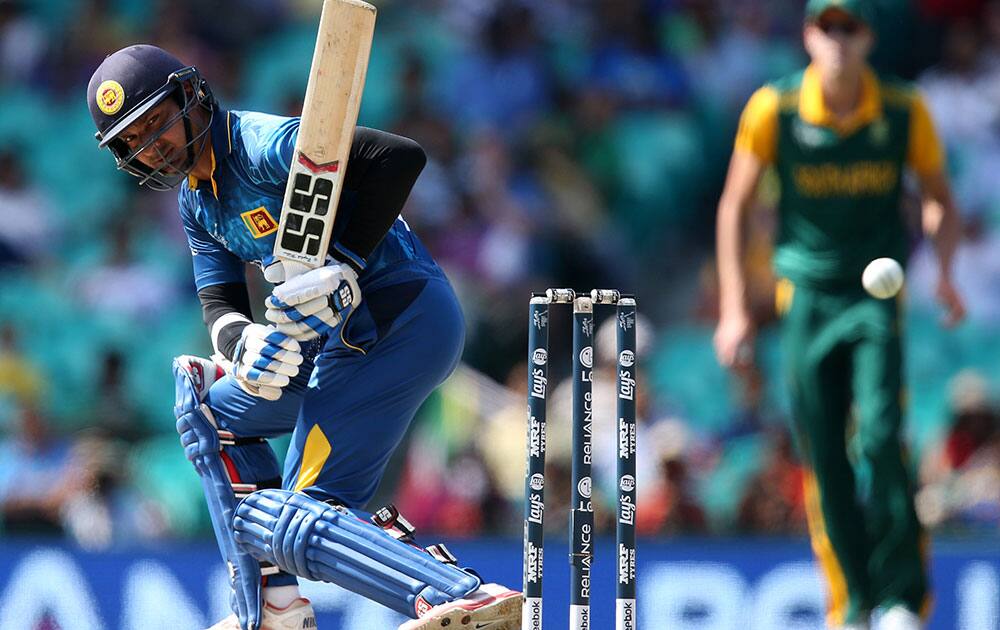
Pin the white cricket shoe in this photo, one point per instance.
(490, 607)
(899, 618)
(298, 615)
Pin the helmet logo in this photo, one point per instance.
(110, 97)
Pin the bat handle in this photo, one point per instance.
(293, 268)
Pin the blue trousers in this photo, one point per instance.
(350, 406)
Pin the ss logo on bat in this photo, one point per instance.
(310, 200)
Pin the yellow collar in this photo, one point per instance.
(192, 180)
(813, 110)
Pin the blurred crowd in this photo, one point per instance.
(576, 143)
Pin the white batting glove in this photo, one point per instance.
(265, 361)
(314, 303)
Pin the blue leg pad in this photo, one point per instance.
(229, 469)
(319, 541)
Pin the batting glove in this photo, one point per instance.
(265, 361)
(314, 303)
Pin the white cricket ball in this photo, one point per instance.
(882, 278)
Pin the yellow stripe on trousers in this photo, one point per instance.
(837, 608)
(784, 293)
(314, 455)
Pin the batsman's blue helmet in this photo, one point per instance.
(133, 81)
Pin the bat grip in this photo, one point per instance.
(294, 268)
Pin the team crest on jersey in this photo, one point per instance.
(259, 221)
(812, 136)
(110, 97)
(879, 132)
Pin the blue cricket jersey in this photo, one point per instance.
(233, 218)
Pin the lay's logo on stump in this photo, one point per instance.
(110, 97)
(259, 221)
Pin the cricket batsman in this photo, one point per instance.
(839, 138)
(348, 353)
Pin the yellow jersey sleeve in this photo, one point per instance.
(758, 130)
(924, 155)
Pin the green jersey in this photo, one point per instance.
(841, 178)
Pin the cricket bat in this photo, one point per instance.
(329, 115)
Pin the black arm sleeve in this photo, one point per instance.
(381, 170)
(221, 299)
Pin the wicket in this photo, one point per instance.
(581, 507)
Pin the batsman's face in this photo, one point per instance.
(838, 43)
(160, 135)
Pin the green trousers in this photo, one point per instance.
(843, 361)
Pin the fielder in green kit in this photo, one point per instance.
(839, 138)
